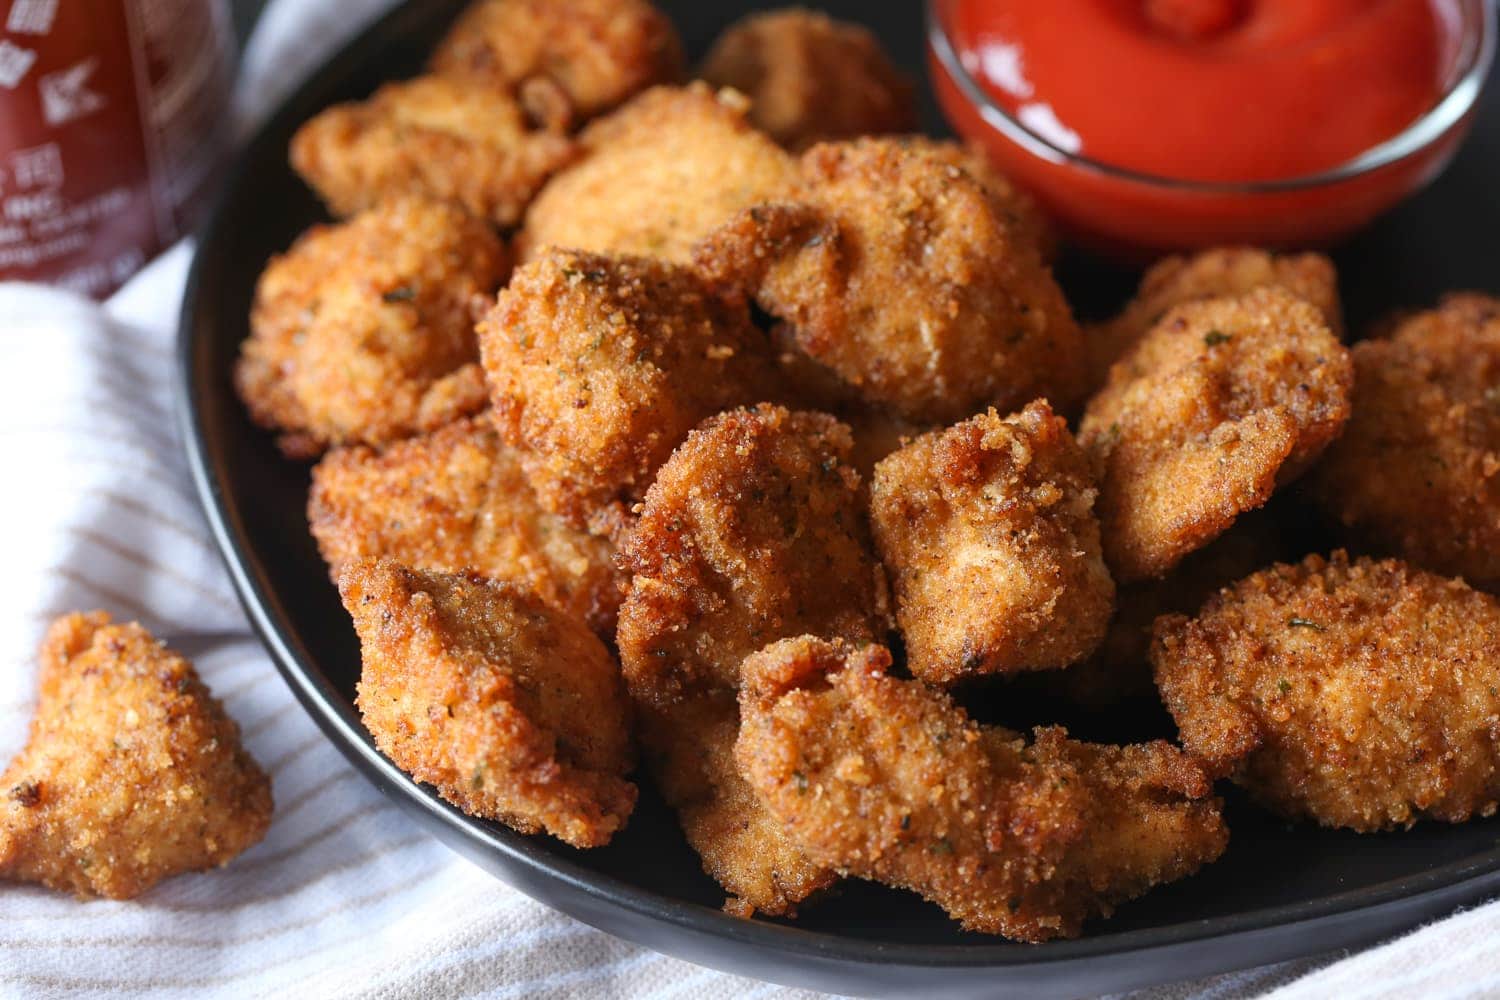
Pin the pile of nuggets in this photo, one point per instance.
(726, 426)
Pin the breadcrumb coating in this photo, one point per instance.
(364, 331)
(1221, 403)
(889, 780)
(811, 78)
(988, 531)
(435, 137)
(1012, 204)
(132, 771)
(565, 61)
(895, 271)
(1356, 693)
(1417, 472)
(458, 499)
(513, 710)
(599, 366)
(659, 174)
(1212, 274)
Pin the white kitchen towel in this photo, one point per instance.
(345, 897)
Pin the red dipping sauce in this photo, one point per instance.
(1170, 122)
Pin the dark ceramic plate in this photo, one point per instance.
(1279, 892)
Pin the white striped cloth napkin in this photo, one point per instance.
(345, 897)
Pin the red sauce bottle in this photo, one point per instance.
(113, 118)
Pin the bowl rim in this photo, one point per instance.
(1175, 951)
(1470, 73)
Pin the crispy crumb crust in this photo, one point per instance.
(132, 771)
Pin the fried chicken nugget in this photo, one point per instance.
(433, 136)
(889, 780)
(599, 366)
(659, 174)
(458, 499)
(1360, 694)
(988, 531)
(564, 60)
(811, 78)
(132, 772)
(1211, 274)
(895, 271)
(1418, 470)
(1221, 403)
(1015, 206)
(513, 710)
(752, 531)
(364, 331)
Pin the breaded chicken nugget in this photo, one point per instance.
(894, 270)
(988, 531)
(811, 78)
(1418, 470)
(889, 780)
(511, 708)
(432, 136)
(752, 531)
(364, 331)
(132, 772)
(564, 60)
(1359, 694)
(599, 366)
(659, 174)
(1015, 206)
(1221, 403)
(1212, 274)
(458, 499)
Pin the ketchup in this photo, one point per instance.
(1211, 90)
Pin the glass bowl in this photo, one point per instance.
(1135, 215)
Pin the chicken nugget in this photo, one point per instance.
(564, 60)
(811, 78)
(1418, 470)
(752, 531)
(988, 531)
(364, 331)
(432, 136)
(512, 709)
(1221, 403)
(599, 366)
(1359, 694)
(1212, 274)
(458, 499)
(895, 271)
(659, 174)
(1015, 206)
(889, 780)
(132, 772)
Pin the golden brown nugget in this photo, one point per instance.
(564, 60)
(1356, 693)
(1014, 205)
(889, 780)
(753, 531)
(513, 710)
(364, 331)
(988, 532)
(894, 270)
(599, 366)
(1212, 274)
(1221, 403)
(432, 136)
(132, 772)
(458, 499)
(659, 174)
(1417, 471)
(811, 78)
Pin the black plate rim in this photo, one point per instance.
(1390, 906)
